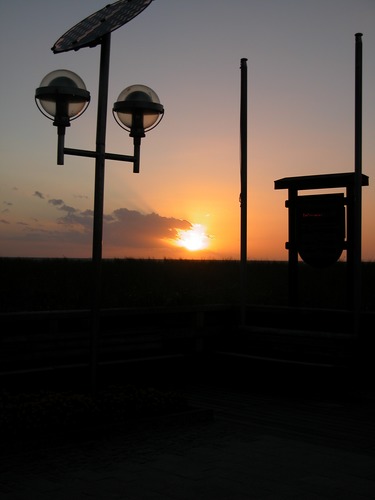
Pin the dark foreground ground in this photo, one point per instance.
(268, 430)
(275, 433)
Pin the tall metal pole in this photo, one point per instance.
(243, 194)
(356, 257)
(358, 170)
(99, 202)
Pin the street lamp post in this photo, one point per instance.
(62, 96)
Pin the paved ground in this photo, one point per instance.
(258, 446)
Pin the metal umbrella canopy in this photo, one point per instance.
(89, 31)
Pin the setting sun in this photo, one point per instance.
(193, 239)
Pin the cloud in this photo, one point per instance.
(127, 228)
(68, 209)
(124, 231)
(61, 206)
(75, 218)
(56, 202)
(131, 228)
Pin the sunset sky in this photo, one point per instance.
(184, 203)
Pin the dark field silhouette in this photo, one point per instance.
(59, 284)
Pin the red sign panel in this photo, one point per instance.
(320, 226)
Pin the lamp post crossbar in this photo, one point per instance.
(94, 154)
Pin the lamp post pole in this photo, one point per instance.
(99, 202)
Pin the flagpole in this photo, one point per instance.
(243, 194)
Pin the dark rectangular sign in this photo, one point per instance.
(320, 228)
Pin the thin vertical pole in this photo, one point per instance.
(358, 171)
(293, 271)
(356, 257)
(243, 195)
(357, 191)
(99, 202)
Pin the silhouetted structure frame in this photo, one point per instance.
(318, 182)
(353, 183)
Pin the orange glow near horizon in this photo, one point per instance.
(193, 239)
